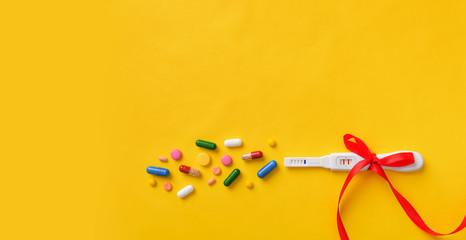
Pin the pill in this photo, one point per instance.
(267, 169)
(226, 160)
(272, 142)
(157, 171)
(152, 182)
(252, 155)
(163, 159)
(176, 154)
(189, 170)
(249, 184)
(211, 181)
(203, 159)
(216, 170)
(233, 142)
(205, 144)
(167, 186)
(185, 191)
(231, 178)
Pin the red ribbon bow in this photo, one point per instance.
(395, 160)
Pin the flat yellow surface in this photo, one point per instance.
(93, 92)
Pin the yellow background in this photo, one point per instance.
(93, 92)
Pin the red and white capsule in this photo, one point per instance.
(252, 155)
(189, 170)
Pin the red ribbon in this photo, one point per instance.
(396, 160)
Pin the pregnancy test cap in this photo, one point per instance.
(346, 161)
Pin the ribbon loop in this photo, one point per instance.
(401, 159)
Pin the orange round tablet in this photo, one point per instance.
(167, 186)
(216, 170)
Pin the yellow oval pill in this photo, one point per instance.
(203, 159)
(152, 182)
(272, 142)
(249, 184)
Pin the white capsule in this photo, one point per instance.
(185, 191)
(233, 142)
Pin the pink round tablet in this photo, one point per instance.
(216, 170)
(226, 160)
(167, 186)
(176, 154)
(163, 159)
(211, 181)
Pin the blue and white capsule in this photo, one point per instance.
(158, 171)
(267, 169)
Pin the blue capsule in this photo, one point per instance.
(158, 171)
(267, 169)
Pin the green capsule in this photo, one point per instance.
(233, 175)
(205, 144)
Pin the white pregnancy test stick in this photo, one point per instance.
(346, 161)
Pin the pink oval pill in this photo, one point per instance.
(216, 170)
(176, 154)
(163, 159)
(226, 160)
(211, 181)
(167, 186)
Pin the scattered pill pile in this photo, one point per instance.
(204, 160)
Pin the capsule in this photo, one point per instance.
(233, 142)
(267, 169)
(205, 144)
(185, 191)
(231, 178)
(252, 155)
(189, 170)
(158, 171)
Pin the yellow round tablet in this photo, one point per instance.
(272, 142)
(249, 184)
(203, 159)
(152, 182)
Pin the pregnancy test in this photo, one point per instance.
(346, 161)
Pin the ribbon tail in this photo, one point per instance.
(409, 209)
(352, 173)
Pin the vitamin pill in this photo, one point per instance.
(272, 142)
(226, 160)
(163, 159)
(252, 155)
(216, 170)
(152, 182)
(158, 171)
(167, 186)
(205, 144)
(211, 181)
(185, 191)
(267, 169)
(203, 159)
(233, 142)
(249, 184)
(189, 170)
(176, 154)
(231, 178)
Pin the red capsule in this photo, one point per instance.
(189, 170)
(252, 155)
